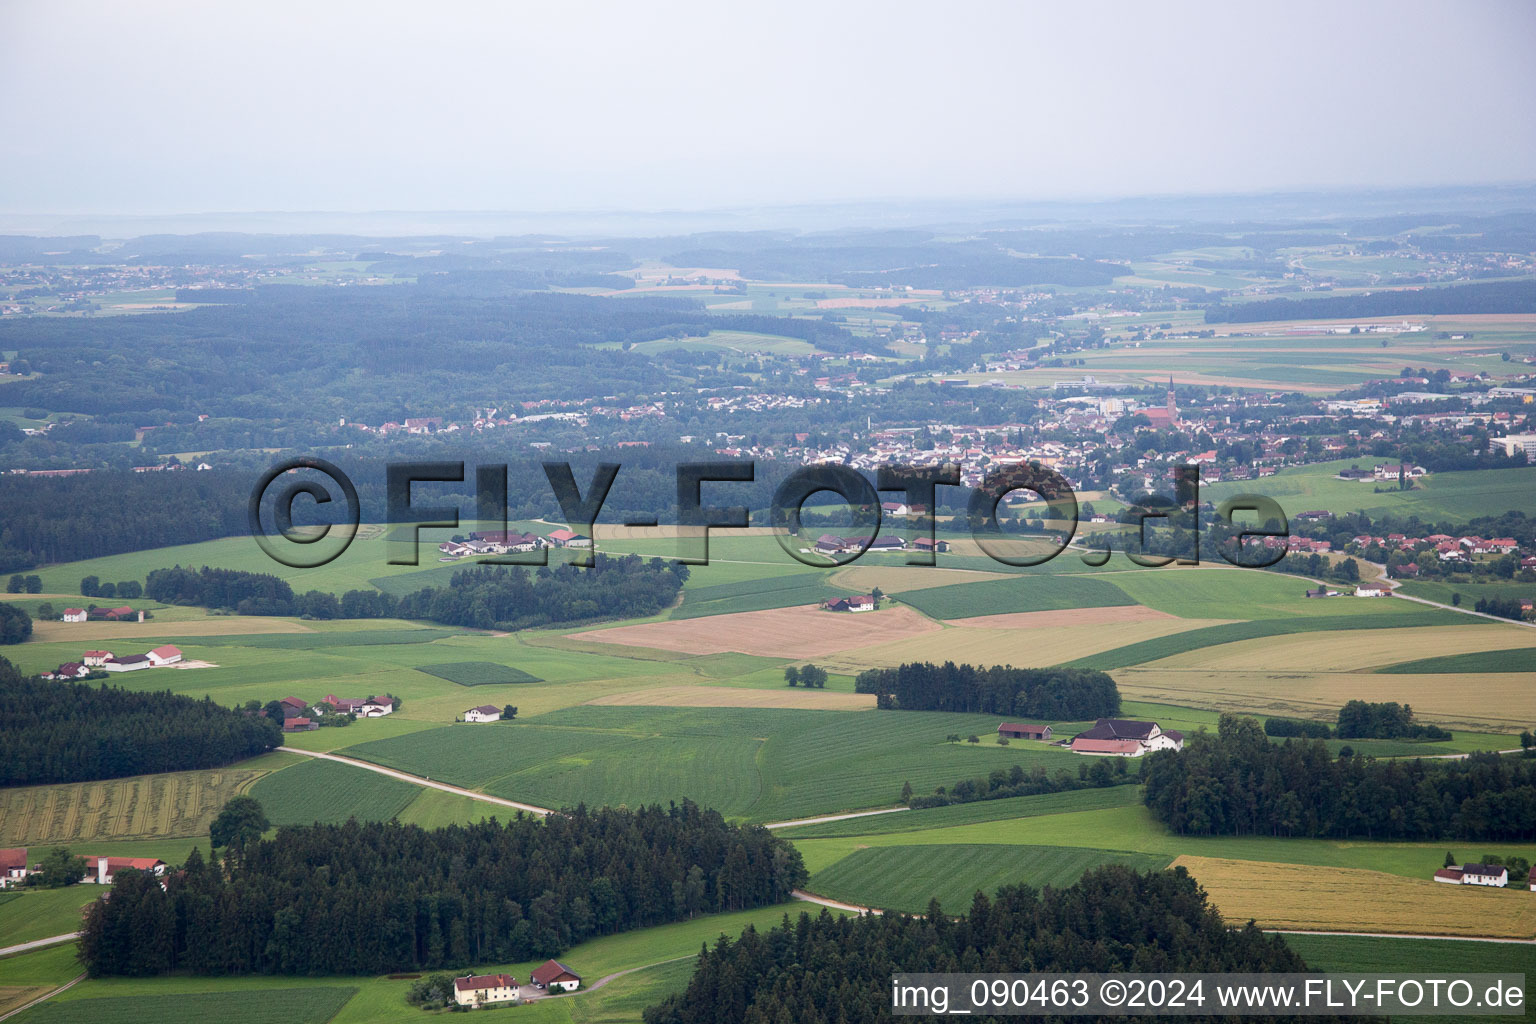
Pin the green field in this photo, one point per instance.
(1210, 636)
(43, 913)
(906, 877)
(1008, 809)
(1518, 659)
(331, 792)
(1438, 497)
(996, 597)
(275, 1006)
(478, 673)
(756, 764)
(757, 595)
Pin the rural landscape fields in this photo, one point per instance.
(692, 704)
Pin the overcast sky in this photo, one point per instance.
(168, 107)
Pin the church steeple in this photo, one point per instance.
(1173, 404)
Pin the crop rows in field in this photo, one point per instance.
(478, 673)
(327, 791)
(1517, 659)
(1210, 636)
(1312, 898)
(996, 597)
(906, 877)
(269, 1006)
(754, 763)
(143, 807)
(1011, 808)
(339, 638)
(757, 595)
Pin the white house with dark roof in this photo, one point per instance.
(1119, 737)
(483, 713)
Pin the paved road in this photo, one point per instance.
(834, 817)
(420, 781)
(39, 943)
(71, 983)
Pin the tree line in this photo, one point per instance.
(248, 593)
(1237, 782)
(1488, 297)
(1015, 781)
(384, 897)
(838, 970)
(1360, 720)
(1062, 694)
(75, 732)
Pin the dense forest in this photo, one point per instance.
(370, 899)
(1055, 694)
(1238, 782)
(837, 970)
(1485, 297)
(76, 732)
(248, 593)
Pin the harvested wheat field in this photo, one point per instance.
(1507, 700)
(900, 579)
(1020, 647)
(737, 697)
(1349, 650)
(1071, 617)
(1312, 898)
(805, 631)
(142, 807)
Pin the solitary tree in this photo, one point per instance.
(508, 713)
(1450, 859)
(906, 792)
(792, 676)
(241, 821)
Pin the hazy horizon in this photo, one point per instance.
(169, 108)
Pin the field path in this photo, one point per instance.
(420, 781)
(1399, 935)
(71, 983)
(810, 897)
(600, 982)
(38, 943)
(834, 817)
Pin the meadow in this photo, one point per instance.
(276, 1006)
(750, 763)
(905, 878)
(1513, 659)
(1438, 497)
(478, 673)
(330, 792)
(995, 597)
(31, 914)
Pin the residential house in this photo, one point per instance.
(70, 670)
(74, 614)
(345, 705)
(376, 707)
(479, 989)
(1371, 590)
(96, 659)
(1118, 737)
(1475, 874)
(924, 544)
(1024, 731)
(858, 603)
(483, 713)
(162, 656)
(554, 976)
(13, 866)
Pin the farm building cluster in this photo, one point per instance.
(299, 715)
(502, 542)
(93, 614)
(1109, 737)
(551, 977)
(1496, 875)
(15, 868)
(105, 661)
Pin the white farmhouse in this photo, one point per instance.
(483, 713)
(480, 989)
(1118, 737)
